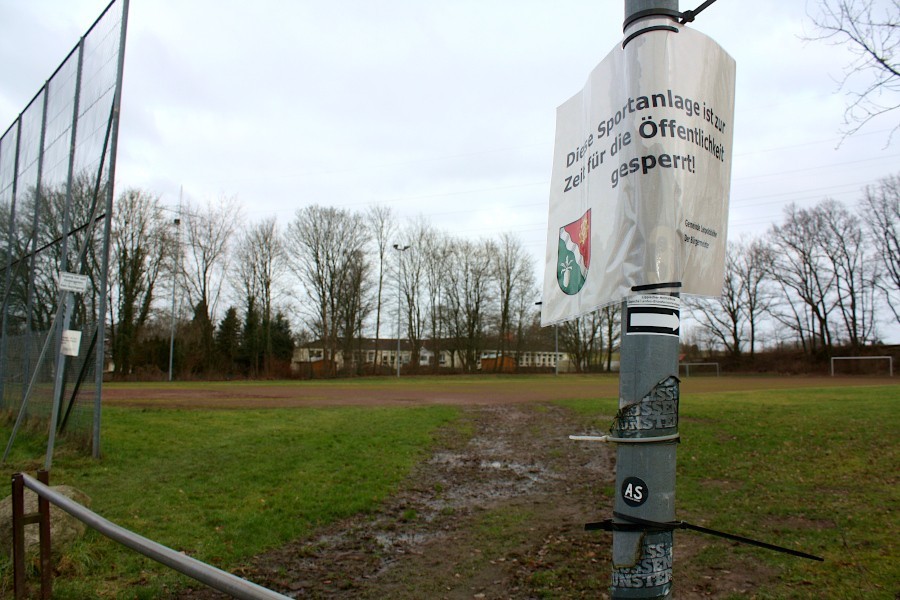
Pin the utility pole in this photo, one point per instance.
(647, 213)
(400, 250)
(648, 395)
(176, 265)
(556, 346)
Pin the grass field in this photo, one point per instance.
(225, 485)
(814, 468)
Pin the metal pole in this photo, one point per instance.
(648, 408)
(32, 262)
(10, 250)
(18, 535)
(107, 225)
(556, 341)
(67, 298)
(400, 250)
(177, 223)
(44, 539)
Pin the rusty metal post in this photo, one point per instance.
(18, 538)
(44, 512)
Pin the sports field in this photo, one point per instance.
(451, 391)
(468, 487)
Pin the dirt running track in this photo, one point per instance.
(495, 513)
(459, 391)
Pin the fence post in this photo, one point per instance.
(18, 537)
(44, 512)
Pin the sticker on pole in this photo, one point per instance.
(73, 282)
(634, 491)
(652, 314)
(641, 176)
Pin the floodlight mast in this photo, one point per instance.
(648, 387)
(400, 250)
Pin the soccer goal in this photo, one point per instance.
(700, 368)
(888, 359)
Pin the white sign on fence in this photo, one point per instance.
(641, 175)
(73, 282)
(71, 342)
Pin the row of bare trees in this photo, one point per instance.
(169, 275)
(820, 279)
(455, 293)
(236, 299)
(224, 292)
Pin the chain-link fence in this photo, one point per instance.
(57, 165)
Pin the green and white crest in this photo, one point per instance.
(574, 255)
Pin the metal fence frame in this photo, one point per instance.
(211, 576)
(61, 148)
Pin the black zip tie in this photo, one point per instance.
(638, 524)
(690, 15)
(655, 286)
(671, 28)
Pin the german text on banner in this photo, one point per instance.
(641, 175)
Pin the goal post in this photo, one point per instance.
(889, 359)
(687, 367)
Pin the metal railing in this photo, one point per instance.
(215, 578)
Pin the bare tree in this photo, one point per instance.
(413, 284)
(732, 320)
(756, 296)
(853, 269)
(467, 291)
(514, 275)
(322, 244)
(140, 242)
(260, 268)
(209, 229)
(800, 267)
(613, 330)
(44, 212)
(522, 308)
(870, 30)
(880, 209)
(208, 232)
(436, 252)
(581, 338)
(353, 308)
(382, 224)
(721, 317)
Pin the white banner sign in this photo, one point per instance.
(641, 176)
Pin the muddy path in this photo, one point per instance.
(497, 511)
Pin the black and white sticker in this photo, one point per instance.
(634, 491)
(653, 314)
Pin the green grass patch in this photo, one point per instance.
(225, 485)
(811, 469)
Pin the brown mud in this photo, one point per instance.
(497, 511)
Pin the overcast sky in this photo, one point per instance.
(443, 108)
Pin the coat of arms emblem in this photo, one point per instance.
(574, 257)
